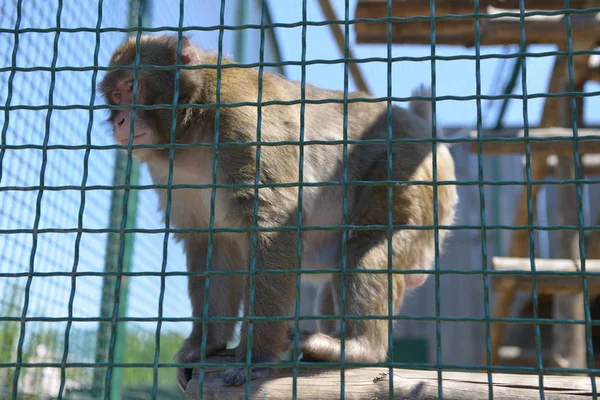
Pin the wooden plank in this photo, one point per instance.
(552, 285)
(373, 383)
(498, 31)
(543, 265)
(545, 284)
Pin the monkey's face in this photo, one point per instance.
(137, 126)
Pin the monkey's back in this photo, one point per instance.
(324, 163)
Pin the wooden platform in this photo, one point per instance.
(373, 384)
(500, 30)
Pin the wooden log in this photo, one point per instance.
(497, 31)
(373, 383)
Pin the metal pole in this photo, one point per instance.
(112, 264)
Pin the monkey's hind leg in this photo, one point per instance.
(366, 340)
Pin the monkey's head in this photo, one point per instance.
(156, 86)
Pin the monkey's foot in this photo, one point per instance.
(237, 376)
(187, 354)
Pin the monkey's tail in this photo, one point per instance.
(319, 346)
(421, 108)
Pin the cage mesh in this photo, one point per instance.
(64, 332)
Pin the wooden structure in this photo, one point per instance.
(548, 156)
(374, 383)
(457, 26)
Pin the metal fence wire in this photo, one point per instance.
(93, 288)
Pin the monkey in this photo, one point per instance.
(245, 129)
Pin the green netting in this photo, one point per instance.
(93, 300)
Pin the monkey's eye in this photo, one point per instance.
(115, 97)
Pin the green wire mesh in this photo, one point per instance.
(62, 308)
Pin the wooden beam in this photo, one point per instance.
(339, 37)
(407, 8)
(373, 383)
(548, 132)
(497, 31)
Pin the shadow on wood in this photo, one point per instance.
(373, 383)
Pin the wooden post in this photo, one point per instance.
(497, 330)
(336, 31)
(592, 248)
(520, 239)
(568, 339)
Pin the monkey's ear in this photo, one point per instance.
(189, 53)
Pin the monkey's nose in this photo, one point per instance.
(121, 122)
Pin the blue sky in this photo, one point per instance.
(59, 209)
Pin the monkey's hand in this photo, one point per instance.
(191, 352)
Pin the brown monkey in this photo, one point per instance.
(276, 201)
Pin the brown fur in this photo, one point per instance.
(366, 294)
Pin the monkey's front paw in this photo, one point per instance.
(237, 376)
